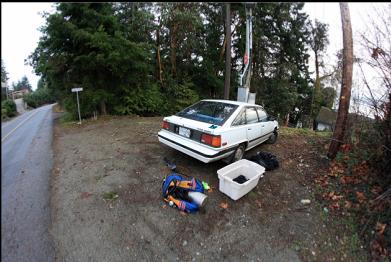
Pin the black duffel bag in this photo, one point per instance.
(267, 160)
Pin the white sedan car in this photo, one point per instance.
(218, 129)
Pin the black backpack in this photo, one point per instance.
(267, 160)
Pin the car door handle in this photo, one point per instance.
(262, 125)
(248, 128)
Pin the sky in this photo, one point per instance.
(20, 23)
(19, 37)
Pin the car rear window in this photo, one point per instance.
(209, 112)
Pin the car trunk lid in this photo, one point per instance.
(179, 125)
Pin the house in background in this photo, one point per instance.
(19, 93)
(325, 121)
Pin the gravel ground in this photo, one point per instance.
(123, 155)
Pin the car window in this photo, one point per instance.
(240, 119)
(209, 112)
(262, 115)
(251, 115)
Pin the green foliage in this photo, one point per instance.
(8, 109)
(41, 83)
(39, 97)
(319, 37)
(280, 60)
(22, 84)
(110, 195)
(148, 101)
(4, 79)
(328, 97)
(178, 96)
(89, 51)
(4, 74)
(111, 50)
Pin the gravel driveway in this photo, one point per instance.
(122, 155)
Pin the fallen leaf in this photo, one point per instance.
(334, 206)
(183, 213)
(349, 180)
(360, 196)
(224, 205)
(164, 206)
(348, 204)
(380, 227)
(332, 196)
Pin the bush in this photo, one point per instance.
(178, 96)
(146, 102)
(89, 101)
(8, 109)
(39, 97)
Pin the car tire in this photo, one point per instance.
(273, 138)
(238, 154)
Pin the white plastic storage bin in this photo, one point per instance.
(249, 169)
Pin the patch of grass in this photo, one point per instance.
(58, 109)
(354, 243)
(252, 194)
(324, 214)
(289, 131)
(296, 245)
(110, 195)
(66, 119)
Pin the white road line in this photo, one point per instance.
(21, 123)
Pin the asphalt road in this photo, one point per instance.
(26, 162)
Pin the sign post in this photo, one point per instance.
(77, 90)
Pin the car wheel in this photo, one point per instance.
(239, 152)
(273, 138)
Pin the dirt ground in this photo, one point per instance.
(122, 155)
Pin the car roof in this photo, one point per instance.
(231, 102)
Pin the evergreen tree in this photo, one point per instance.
(4, 81)
(22, 84)
(319, 41)
(82, 45)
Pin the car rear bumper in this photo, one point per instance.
(193, 149)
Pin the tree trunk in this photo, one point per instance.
(103, 108)
(158, 58)
(316, 87)
(173, 45)
(347, 71)
(224, 46)
(286, 120)
(227, 82)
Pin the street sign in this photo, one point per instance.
(78, 89)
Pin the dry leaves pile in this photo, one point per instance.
(347, 188)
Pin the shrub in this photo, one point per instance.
(8, 109)
(147, 101)
(39, 97)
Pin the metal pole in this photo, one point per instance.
(78, 106)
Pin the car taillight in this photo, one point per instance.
(166, 125)
(214, 141)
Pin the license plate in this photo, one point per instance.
(184, 132)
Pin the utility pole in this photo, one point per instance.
(347, 72)
(227, 82)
